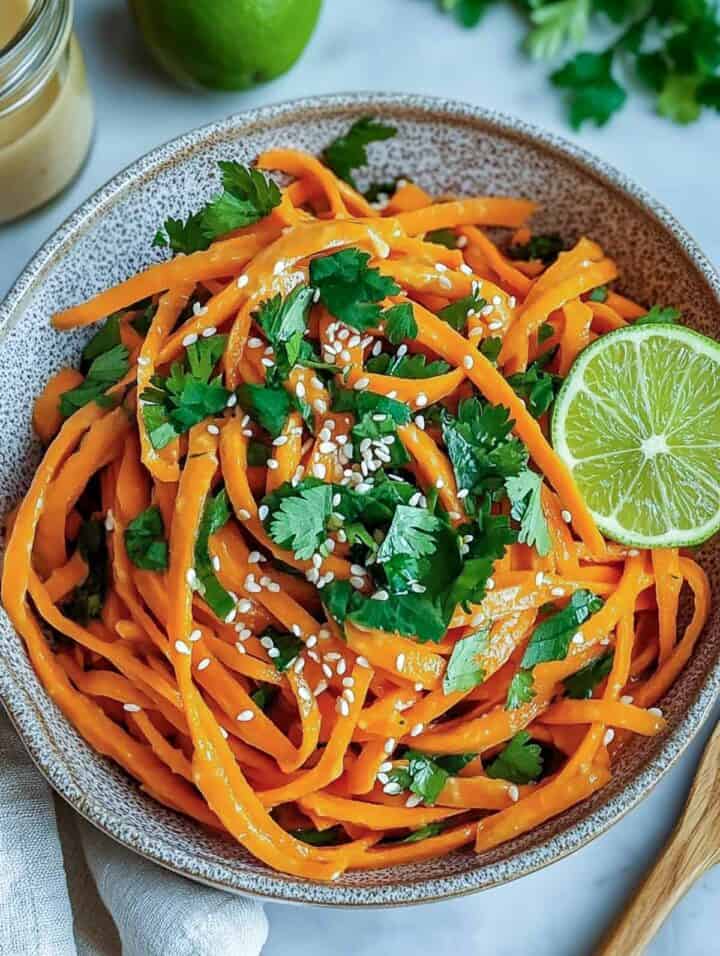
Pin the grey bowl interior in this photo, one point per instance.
(445, 147)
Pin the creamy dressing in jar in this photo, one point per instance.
(46, 114)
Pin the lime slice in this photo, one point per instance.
(637, 422)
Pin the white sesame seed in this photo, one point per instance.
(322, 686)
(361, 383)
(205, 662)
(413, 800)
(242, 281)
(494, 326)
(109, 520)
(342, 707)
(380, 595)
(243, 514)
(191, 577)
(223, 732)
(400, 662)
(468, 361)
(244, 716)
(489, 584)
(272, 464)
(195, 635)
(566, 516)
(209, 331)
(273, 652)
(299, 665)
(143, 360)
(263, 512)
(633, 553)
(655, 711)
(513, 793)
(578, 638)
(390, 745)
(244, 605)
(439, 483)
(241, 647)
(421, 400)
(609, 736)
(319, 469)
(213, 430)
(558, 592)
(417, 730)
(311, 641)
(539, 579)
(392, 789)
(362, 662)
(189, 340)
(462, 241)
(132, 708)
(181, 647)
(304, 693)
(627, 699)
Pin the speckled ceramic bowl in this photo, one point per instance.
(445, 146)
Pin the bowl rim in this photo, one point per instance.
(280, 888)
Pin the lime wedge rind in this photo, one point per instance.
(661, 502)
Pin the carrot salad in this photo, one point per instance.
(299, 555)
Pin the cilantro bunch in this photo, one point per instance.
(672, 47)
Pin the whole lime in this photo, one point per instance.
(226, 44)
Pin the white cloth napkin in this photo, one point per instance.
(156, 912)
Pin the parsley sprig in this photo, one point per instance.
(248, 196)
(671, 46)
(189, 394)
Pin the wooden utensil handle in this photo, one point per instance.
(681, 863)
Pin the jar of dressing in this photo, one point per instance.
(46, 113)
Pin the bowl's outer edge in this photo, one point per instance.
(278, 887)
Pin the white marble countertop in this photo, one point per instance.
(405, 45)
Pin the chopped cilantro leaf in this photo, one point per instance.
(582, 683)
(599, 294)
(520, 762)
(330, 837)
(456, 314)
(257, 453)
(105, 370)
(524, 491)
(349, 289)
(537, 387)
(406, 366)
(545, 332)
(284, 322)
(376, 426)
(659, 315)
(269, 407)
(300, 521)
(103, 340)
(546, 248)
(480, 447)
(264, 696)
(287, 645)
(86, 601)
(424, 833)
(412, 532)
(349, 151)
(426, 776)
(551, 638)
(215, 516)
(173, 404)
(462, 672)
(521, 690)
(364, 403)
(442, 237)
(491, 348)
(145, 540)
(400, 323)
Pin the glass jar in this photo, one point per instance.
(46, 112)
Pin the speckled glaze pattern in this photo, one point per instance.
(446, 147)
